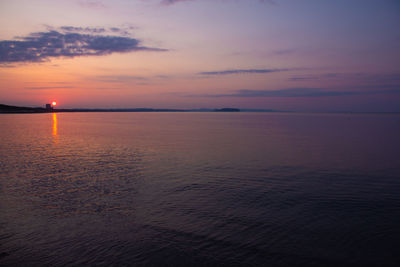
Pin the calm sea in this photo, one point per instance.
(200, 189)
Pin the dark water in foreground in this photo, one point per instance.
(184, 189)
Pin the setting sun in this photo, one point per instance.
(54, 103)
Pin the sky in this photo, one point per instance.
(297, 55)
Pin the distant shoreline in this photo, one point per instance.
(7, 109)
(16, 110)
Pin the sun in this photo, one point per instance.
(54, 103)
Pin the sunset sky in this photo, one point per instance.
(300, 55)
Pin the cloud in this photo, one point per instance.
(42, 46)
(120, 30)
(241, 71)
(289, 92)
(49, 87)
(119, 78)
(170, 2)
(284, 52)
(299, 92)
(127, 79)
(271, 2)
(367, 78)
(84, 30)
(93, 30)
(315, 77)
(91, 4)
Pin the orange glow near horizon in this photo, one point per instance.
(54, 103)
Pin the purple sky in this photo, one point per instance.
(305, 55)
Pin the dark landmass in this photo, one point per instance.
(117, 110)
(14, 109)
(227, 110)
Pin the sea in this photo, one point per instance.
(199, 189)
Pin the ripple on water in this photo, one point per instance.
(199, 189)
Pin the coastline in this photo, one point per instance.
(6, 109)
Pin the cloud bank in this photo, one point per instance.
(367, 78)
(300, 92)
(68, 42)
(170, 2)
(241, 71)
(290, 92)
(124, 31)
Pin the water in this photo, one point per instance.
(199, 189)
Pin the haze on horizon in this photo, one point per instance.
(306, 55)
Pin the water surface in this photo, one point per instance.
(181, 189)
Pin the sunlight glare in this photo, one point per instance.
(54, 125)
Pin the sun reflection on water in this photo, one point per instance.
(55, 127)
